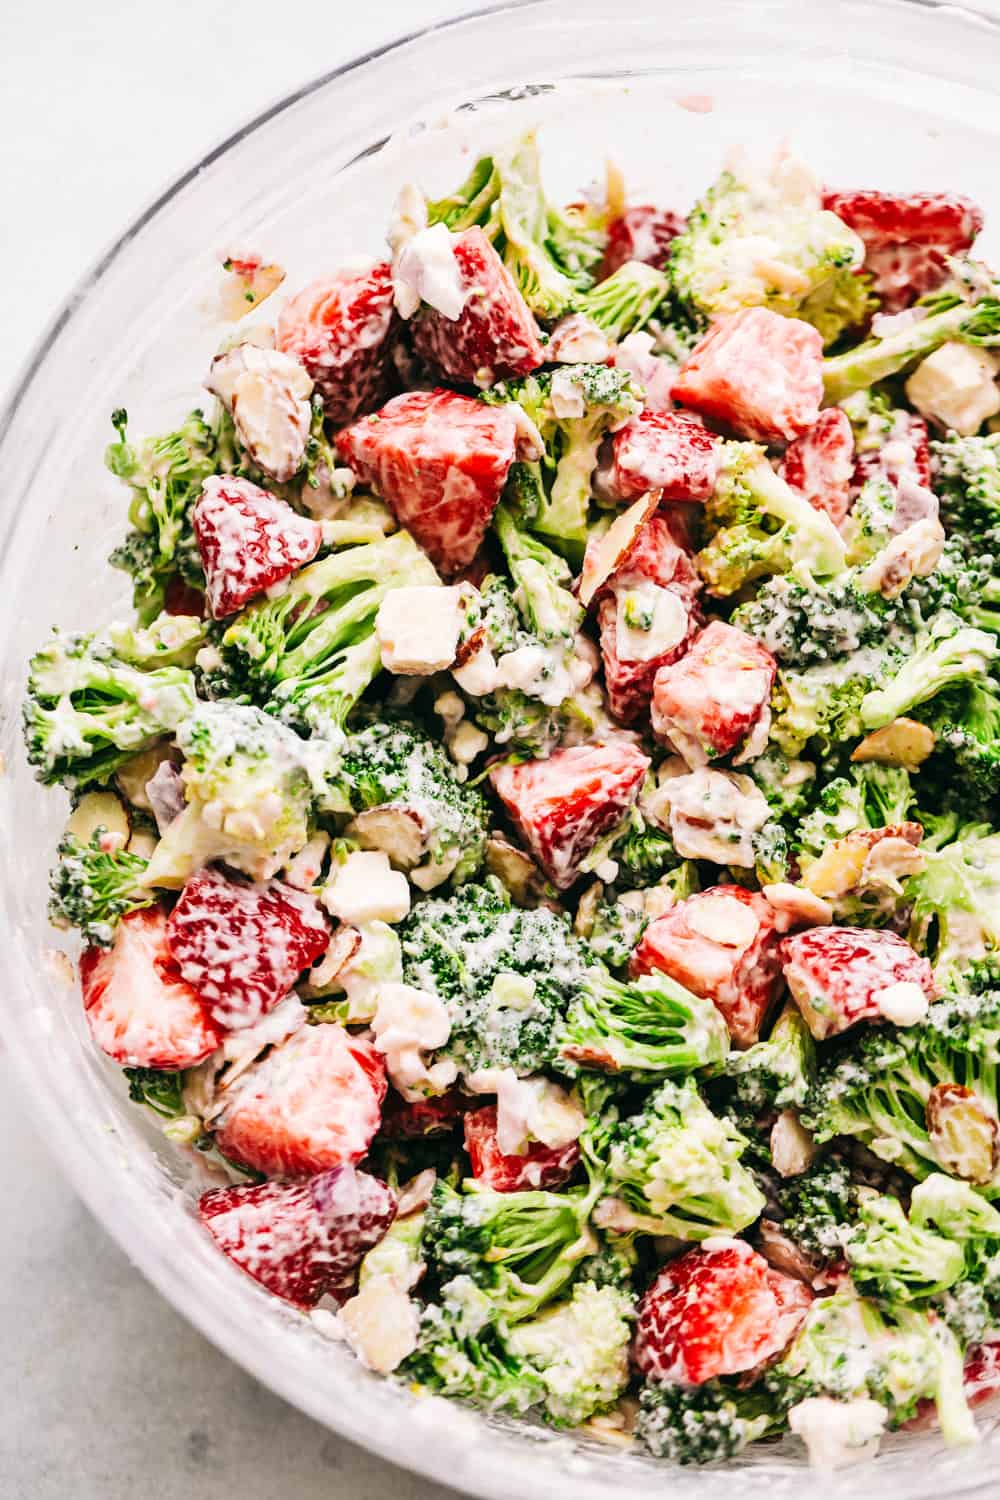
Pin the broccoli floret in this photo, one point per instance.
(675, 1169)
(844, 302)
(626, 300)
(869, 796)
(160, 1091)
(165, 475)
(520, 1248)
(251, 784)
(947, 652)
(949, 319)
(579, 1349)
(970, 1306)
(310, 653)
(551, 253)
(762, 526)
(817, 1209)
(614, 931)
(823, 703)
(787, 784)
(572, 409)
(542, 597)
(430, 823)
(461, 1354)
(703, 1423)
(646, 1026)
(775, 1073)
(847, 1348)
(93, 887)
(896, 1260)
(505, 974)
(772, 855)
(168, 641)
(801, 621)
(86, 711)
(955, 915)
(644, 852)
(966, 724)
(966, 585)
(967, 483)
(753, 243)
(877, 1087)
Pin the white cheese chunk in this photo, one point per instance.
(956, 387)
(381, 1324)
(903, 1003)
(418, 627)
(529, 1109)
(365, 888)
(838, 1433)
(650, 621)
(409, 1023)
(426, 270)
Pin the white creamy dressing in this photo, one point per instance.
(426, 270)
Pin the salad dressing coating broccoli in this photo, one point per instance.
(93, 887)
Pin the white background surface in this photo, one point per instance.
(107, 1393)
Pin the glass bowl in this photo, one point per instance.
(870, 92)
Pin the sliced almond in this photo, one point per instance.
(793, 1149)
(104, 811)
(517, 871)
(890, 861)
(904, 743)
(794, 906)
(964, 1134)
(400, 832)
(586, 911)
(724, 920)
(247, 284)
(606, 556)
(133, 774)
(838, 868)
(325, 975)
(415, 1194)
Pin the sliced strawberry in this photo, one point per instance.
(709, 702)
(439, 1115)
(756, 373)
(304, 1240)
(820, 464)
(908, 237)
(181, 599)
(720, 944)
(539, 1167)
(311, 1103)
(716, 1312)
(139, 1009)
(564, 805)
(248, 541)
(340, 328)
(670, 451)
(440, 461)
(242, 947)
(837, 975)
(643, 232)
(494, 336)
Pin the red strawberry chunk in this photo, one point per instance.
(643, 232)
(248, 541)
(838, 975)
(669, 451)
(340, 328)
(908, 237)
(539, 1167)
(709, 702)
(303, 1240)
(820, 464)
(903, 273)
(404, 1118)
(716, 1312)
(720, 944)
(140, 1011)
(313, 1102)
(440, 461)
(494, 336)
(242, 947)
(181, 599)
(757, 373)
(563, 806)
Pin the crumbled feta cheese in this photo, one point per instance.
(418, 627)
(409, 216)
(466, 743)
(713, 815)
(577, 339)
(365, 888)
(478, 675)
(650, 621)
(425, 270)
(654, 372)
(838, 1433)
(956, 387)
(267, 393)
(409, 1023)
(904, 1003)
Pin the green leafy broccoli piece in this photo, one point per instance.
(966, 585)
(877, 1086)
(950, 319)
(674, 1169)
(167, 641)
(966, 724)
(644, 852)
(946, 652)
(967, 483)
(762, 526)
(460, 1353)
(778, 1072)
(86, 711)
(802, 621)
(92, 888)
(970, 1306)
(426, 820)
(742, 232)
(895, 1260)
(701, 1424)
(310, 653)
(165, 475)
(646, 1026)
(823, 703)
(626, 300)
(614, 931)
(869, 796)
(843, 303)
(955, 914)
(787, 784)
(817, 1209)
(579, 1349)
(251, 784)
(160, 1091)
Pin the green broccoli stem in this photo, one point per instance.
(966, 653)
(877, 359)
(626, 300)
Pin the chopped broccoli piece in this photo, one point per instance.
(946, 652)
(869, 796)
(787, 784)
(646, 1026)
(165, 475)
(93, 887)
(86, 711)
(893, 1259)
(626, 300)
(955, 915)
(801, 621)
(777, 1072)
(542, 597)
(823, 703)
(579, 1348)
(843, 303)
(868, 527)
(461, 1354)
(967, 483)
(951, 319)
(160, 1091)
(167, 641)
(818, 1209)
(703, 1423)
(966, 724)
(615, 930)
(644, 852)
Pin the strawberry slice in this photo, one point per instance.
(709, 702)
(756, 373)
(495, 334)
(311, 1103)
(181, 598)
(670, 451)
(908, 237)
(242, 947)
(539, 1167)
(720, 944)
(643, 232)
(340, 327)
(820, 464)
(716, 1312)
(839, 975)
(248, 541)
(564, 805)
(440, 461)
(140, 1011)
(438, 1115)
(304, 1240)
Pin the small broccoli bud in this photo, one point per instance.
(891, 1257)
(777, 1072)
(955, 911)
(648, 1026)
(967, 482)
(948, 652)
(701, 1424)
(626, 300)
(93, 887)
(579, 1349)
